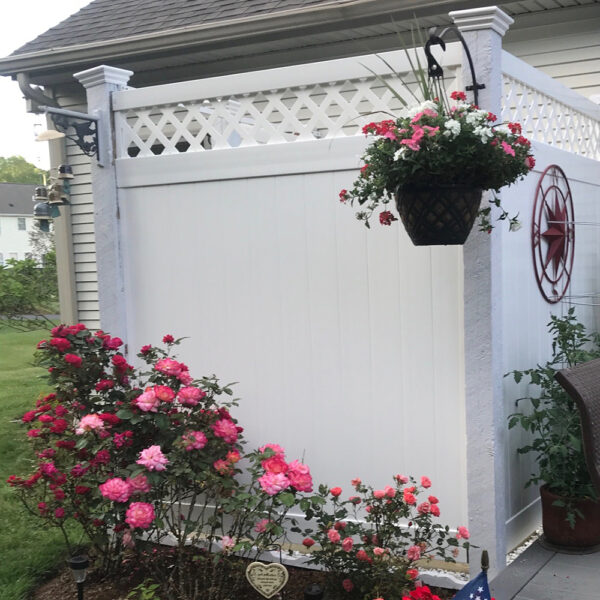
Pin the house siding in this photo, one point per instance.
(82, 219)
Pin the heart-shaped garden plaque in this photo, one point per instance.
(267, 580)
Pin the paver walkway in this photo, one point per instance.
(542, 574)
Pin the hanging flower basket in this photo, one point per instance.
(438, 215)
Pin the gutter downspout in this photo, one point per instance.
(65, 268)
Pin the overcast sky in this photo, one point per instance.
(22, 21)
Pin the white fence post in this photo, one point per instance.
(99, 83)
(483, 29)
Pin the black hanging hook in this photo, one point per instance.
(434, 69)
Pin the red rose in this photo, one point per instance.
(168, 339)
(59, 426)
(308, 542)
(335, 492)
(386, 218)
(73, 359)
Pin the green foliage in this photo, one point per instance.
(552, 418)
(15, 169)
(147, 590)
(28, 292)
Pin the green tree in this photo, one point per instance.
(28, 292)
(15, 169)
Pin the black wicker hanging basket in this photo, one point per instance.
(438, 215)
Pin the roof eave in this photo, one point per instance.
(236, 31)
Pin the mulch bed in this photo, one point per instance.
(62, 587)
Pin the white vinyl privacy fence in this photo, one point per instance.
(354, 349)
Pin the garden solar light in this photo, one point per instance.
(41, 211)
(313, 591)
(65, 172)
(40, 194)
(78, 565)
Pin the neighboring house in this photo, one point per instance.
(16, 220)
(182, 40)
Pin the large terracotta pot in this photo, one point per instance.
(435, 215)
(557, 530)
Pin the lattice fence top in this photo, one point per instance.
(549, 112)
(308, 112)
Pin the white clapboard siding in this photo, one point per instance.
(83, 245)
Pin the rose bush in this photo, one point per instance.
(370, 542)
(152, 453)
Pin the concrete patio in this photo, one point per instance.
(543, 574)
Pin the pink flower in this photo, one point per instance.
(356, 482)
(223, 467)
(343, 195)
(164, 393)
(355, 499)
(340, 525)
(334, 536)
(377, 551)
(390, 135)
(347, 585)
(138, 484)
(116, 489)
(379, 494)
(507, 148)
(425, 482)
(148, 402)
(128, 539)
(226, 429)
(190, 396)
(401, 478)
(168, 339)
(362, 555)
(275, 447)
(275, 464)
(90, 422)
(185, 377)
(194, 440)
(105, 384)
(299, 476)
(335, 491)
(168, 366)
(308, 542)
(409, 497)
(424, 508)
(261, 526)
(413, 144)
(227, 542)
(433, 499)
(73, 359)
(412, 573)
(413, 553)
(139, 514)
(390, 492)
(435, 510)
(273, 483)
(463, 532)
(153, 459)
(347, 544)
(530, 162)
(59, 513)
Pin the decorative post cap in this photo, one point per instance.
(486, 17)
(103, 75)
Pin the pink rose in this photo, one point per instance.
(275, 464)
(340, 525)
(347, 544)
(412, 573)
(377, 551)
(425, 482)
(116, 489)
(435, 510)
(379, 494)
(226, 429)
(139, 514)
(194, 440)
(335, 491)
(261, 526)
(190, 396)
(355, 499)
(89, 423)
(168, 366)
(402, 478)
(138, 484)
(153, 459)
(334, 536)
(424, 508)
(390, 492)
(413, 553)
(463, 532)
(164, 393)
(433, 499)
(299, 476)
(148, 402)
(362, 555)
(356, 482)
(273, 483)
(227, 542)
(275, 447)
(409, 497)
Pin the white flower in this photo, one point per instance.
(472, 118)
(452, 127)
(503, 129)
(484, 133)
(428, 105)
(400, 153)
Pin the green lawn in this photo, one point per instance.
(27, 550)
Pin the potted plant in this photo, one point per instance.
(436, 158)
(570, 508)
